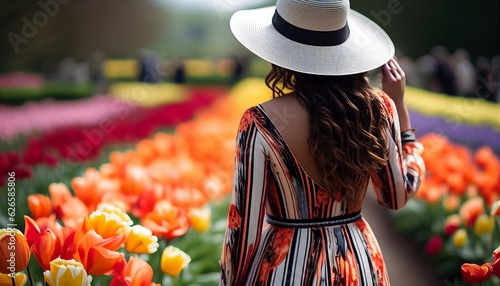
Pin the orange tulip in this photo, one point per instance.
(146, 151)
(167, 221)
(73, 211)
(59, 195)
(39, 206)
(473, 273)
(69, 209)
(217, 185)
(96, 254)
(136, 179)
(136, 272)
(187, 197)
(456, 183)
(120, 161)
(14, 251)
(451, 202)
(471, 209)
(108, 170)
(45, 245)
(483, 156)
(91, 187)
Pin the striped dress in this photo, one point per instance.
(270, 183)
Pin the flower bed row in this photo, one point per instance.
(454, 213)
(77, 135)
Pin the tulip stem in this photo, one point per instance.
(29, 276)
(13, 280)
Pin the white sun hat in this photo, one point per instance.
(323, 37)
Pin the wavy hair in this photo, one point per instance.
(348, 136)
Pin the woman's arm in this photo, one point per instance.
(247, 209)
(400, 178)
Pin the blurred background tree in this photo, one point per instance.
(199, 28)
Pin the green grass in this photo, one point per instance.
(54, 90)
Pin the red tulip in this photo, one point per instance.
(167, 221)
(473, 273)
(451, 224)
(45, 245)
(434, 245)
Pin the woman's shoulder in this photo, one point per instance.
(254, 114)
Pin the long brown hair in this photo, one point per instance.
(347, 126)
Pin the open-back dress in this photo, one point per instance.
(284, 229)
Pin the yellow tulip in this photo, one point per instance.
(109, 221)
(200, 219)
(141, 240)
(459, 238)
(66, 272)
(173, 260)
(6, 279)
(484, 224)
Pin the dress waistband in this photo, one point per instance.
(307, 223)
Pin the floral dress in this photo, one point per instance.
(266, 243)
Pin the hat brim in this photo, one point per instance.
(368, 46)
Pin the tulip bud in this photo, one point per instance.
(141, 240)
(459, 238)
(39, 206)
(14, 251)
(484, 225)
(174, 260)
(434, 245)
(200, 219)
(451, 224)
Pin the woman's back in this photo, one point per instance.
(309, 237)
(291, 121)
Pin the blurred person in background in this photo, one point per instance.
(465, 73)
(444, 72)
(485, 81)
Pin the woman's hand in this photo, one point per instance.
(393, 81)
(393, 84)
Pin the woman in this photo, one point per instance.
(305, 159)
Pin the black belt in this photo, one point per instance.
(307, 223)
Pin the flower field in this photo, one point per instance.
(148, 204)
